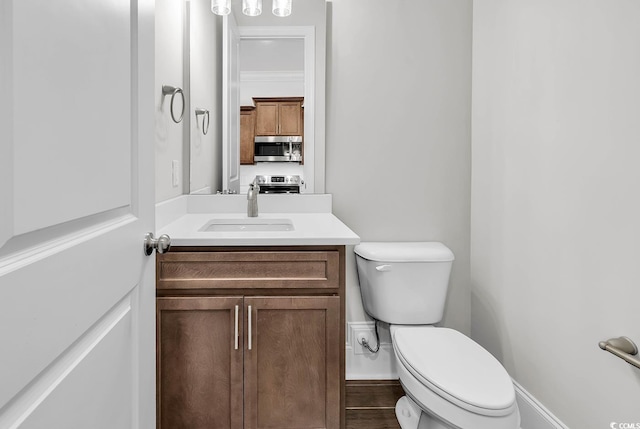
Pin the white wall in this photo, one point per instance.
(398, 130)
(555, 219)
(274, 55)
(270, 84)
(169, 71)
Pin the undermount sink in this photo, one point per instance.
(247, 225)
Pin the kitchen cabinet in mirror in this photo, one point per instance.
(247, 134)
(279, 116)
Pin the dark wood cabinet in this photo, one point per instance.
(247, 134)
(199, 367)
(279, 116)
(251, 337)
(292, 369)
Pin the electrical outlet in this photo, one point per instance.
(360, 332)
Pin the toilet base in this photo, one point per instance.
(411, 416)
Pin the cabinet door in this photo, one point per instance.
(290, 119)
(292, 362)
(199, 362)
(247, 134)
(266, 119)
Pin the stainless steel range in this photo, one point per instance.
(279, 184)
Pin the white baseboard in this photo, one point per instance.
(533, 414)
(364, 365)
(380, 366)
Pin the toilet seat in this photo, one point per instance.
(456, 368)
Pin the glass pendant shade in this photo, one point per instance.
(282, 7)
(221, 7)
(252, 7)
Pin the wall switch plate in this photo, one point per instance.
(175, 173)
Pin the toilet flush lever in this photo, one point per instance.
(384, 267)
(622, 347)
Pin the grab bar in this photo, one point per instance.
(622, 347)
(170, 90)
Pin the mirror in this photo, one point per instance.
(298, 44)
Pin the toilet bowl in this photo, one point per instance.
(453, 380)
(450, 381)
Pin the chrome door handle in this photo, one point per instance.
(160, 244)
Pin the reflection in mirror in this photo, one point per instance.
(274, 81)
(285, 57)
(203, 84)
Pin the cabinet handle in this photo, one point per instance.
(249, 320)
(237, 336)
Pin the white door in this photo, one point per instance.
(76, 197)
(230, 105)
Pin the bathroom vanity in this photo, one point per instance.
(251, 323)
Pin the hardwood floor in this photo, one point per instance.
(371, 404)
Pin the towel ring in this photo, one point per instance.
(205, 114)
(166, 90)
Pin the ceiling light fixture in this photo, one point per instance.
(251, 7)
(282, 7)
(221, 7)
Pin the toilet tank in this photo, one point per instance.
(404, 282)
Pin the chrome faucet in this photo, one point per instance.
(252, 199)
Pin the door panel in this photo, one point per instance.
(290, 118)
(109, 346)
(76, 291)
(267, 119)
(199, 366)
(292, 370)
(62, 114)
(53, 301)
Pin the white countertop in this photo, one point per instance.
(320, 228)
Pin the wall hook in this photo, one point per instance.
(205, 113)
(172, 90)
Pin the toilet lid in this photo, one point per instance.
(425, 251)
(454, 366)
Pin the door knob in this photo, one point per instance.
(161, 244)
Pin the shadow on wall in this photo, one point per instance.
(482, 314)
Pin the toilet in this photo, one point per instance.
(450, 381)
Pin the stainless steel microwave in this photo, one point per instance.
(278, 149)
